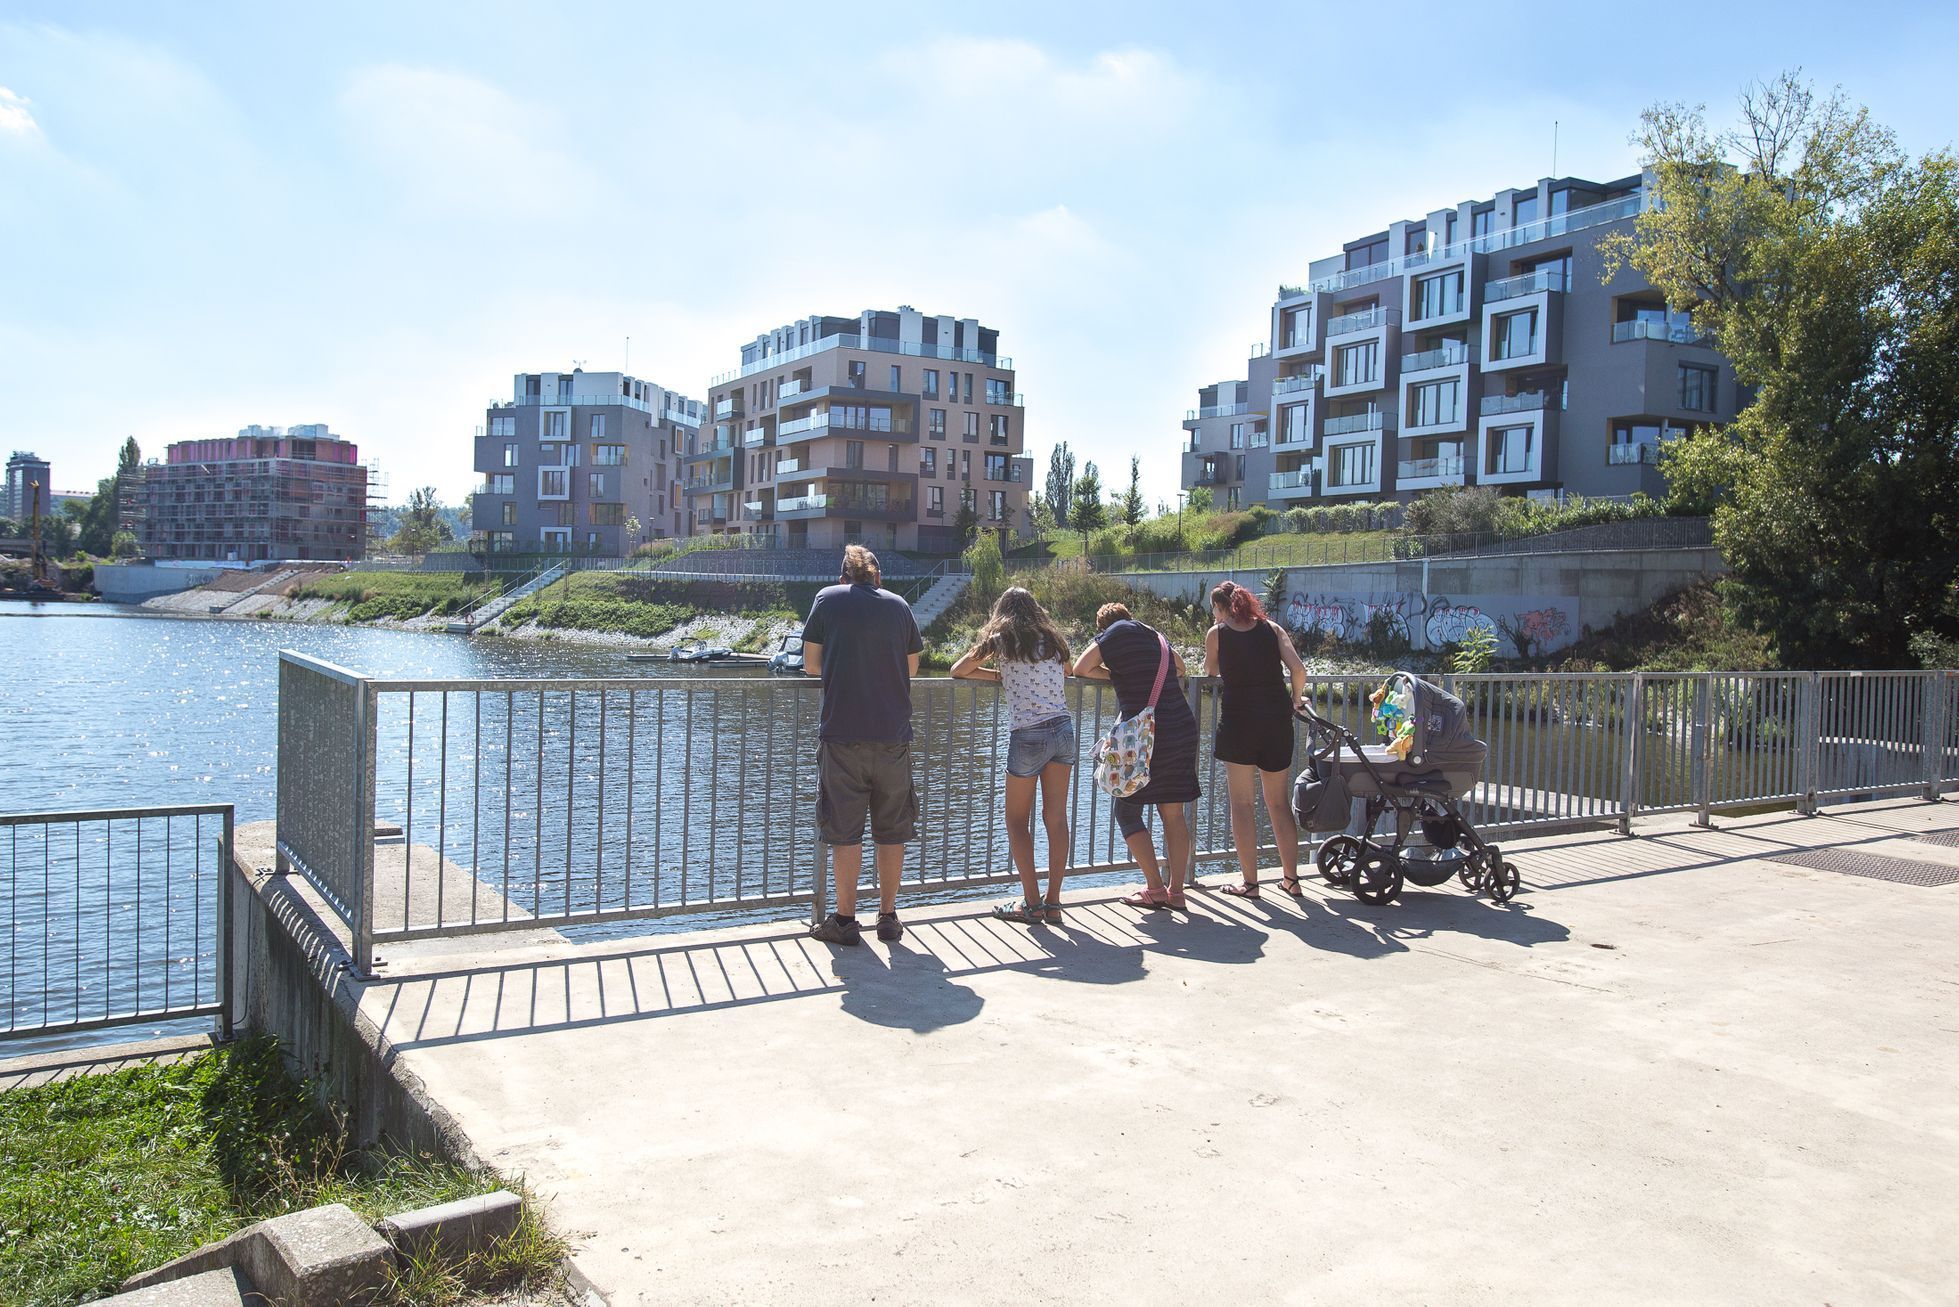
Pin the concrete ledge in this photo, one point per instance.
(222, 1255)
(322, 1257)
(455, 1230)
(223, 1288)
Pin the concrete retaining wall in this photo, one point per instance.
(1549, 598)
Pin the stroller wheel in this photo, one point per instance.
(1378, 877)
(1472, 872)
(1338, 857)
(1503, 880)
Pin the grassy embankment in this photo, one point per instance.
(104, 1176)
(1688, 631)
(637, 605)
(377, 596)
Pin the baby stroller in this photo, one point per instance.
(1421, 775)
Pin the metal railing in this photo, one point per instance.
(569, 802)
(1528, 402)
(1443, 356)
(1558, 224)
(873, 344)
(116, 916)
(1524, 283)
(1353, 422)
(1673, 333)
(1361, 320)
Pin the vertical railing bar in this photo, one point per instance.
(742, 695)
(571, 788)
(442, 818)
(137, 951)
(475, 800)
(226, 958)
(76, 1007)
(169, 895)
(598, 857)
(47, 888)
(714, 697)
(509, 788)
(537, 818)
(408, 834)
(659, 789)
(686, 793)
(632, 745)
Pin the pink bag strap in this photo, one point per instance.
(1162, 670)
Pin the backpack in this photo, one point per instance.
(1122, 757)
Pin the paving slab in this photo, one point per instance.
(1672, 1070)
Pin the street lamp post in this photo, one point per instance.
(1181, 496)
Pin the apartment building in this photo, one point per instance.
(270, 493)
(581, 462)
(1479, 345)
(875, 428)
(24, 471)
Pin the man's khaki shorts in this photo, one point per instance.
(860, 778)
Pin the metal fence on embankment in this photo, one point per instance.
(115, 917)
(441, 807)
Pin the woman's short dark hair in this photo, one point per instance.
(1109, 614)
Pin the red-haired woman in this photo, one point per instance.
(1253, 657)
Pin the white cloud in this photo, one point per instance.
(15, 117)
(1025, 81)
(443, 138)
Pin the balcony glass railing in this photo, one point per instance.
(789, 466)
(1414, 469)
(875, 344)
(1291, 292)
(1216, 411)
(1672, 332)
(1346, 426)
(1595, 215)
(683, 417)
(1295, 384)
(798, 426)
(789, 390)
(1299, 480)
(1526, 283)
(1449, 355)
(1527, 402)
(1363, 320)
(579, 401)
(1635, 451)
(799, 503)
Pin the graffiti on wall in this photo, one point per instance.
(1432, 621)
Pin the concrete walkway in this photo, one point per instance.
(1671, 1071)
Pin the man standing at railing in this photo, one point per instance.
(863, 642)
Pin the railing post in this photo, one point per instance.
(1811, 743)
(1934, 728)
(363, 905)
(1635, 731)
(1699, 771)
(227, 973)
(819, 884)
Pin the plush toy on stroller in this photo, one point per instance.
(1427, 766)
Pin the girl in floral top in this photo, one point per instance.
(1029, 659)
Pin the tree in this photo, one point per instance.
(123, 545)
(1088, 512)
(965, 523)
(1131, 508)
(1061, 482)
(1199, 499)
(1822, 261)
(988, 568)
(422, 526)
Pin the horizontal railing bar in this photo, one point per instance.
(113, 814)
(130, 1017)
(322, 666)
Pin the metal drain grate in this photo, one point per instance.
(1948, 839)
(1903, 871)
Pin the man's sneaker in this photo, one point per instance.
(889, 929)
(835, 930)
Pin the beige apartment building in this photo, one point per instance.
(875, 429)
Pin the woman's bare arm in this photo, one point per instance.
(1294, 667)
(1089, 666)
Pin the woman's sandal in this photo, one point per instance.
(1027, 914)
(1244, 889)
(1051, 911)
(1176, 902)
(1147, 898)
(1290, 884)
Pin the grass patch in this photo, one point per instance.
(604, 601)
(104, 1176)
(758, 638)
(373, 596)
(1688, 631)
(1072, 594)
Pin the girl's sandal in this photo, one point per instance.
(1147, 898)
(1244, 889)
(1290, 884)
(1051, 911)
(1026, 914)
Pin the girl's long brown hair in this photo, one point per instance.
(1020, 630)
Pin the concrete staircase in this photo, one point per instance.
(490, 609)
(944, 594)
(276, 579)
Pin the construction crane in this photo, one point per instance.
(37, 574)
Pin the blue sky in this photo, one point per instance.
(371, 215)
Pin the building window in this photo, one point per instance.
(996, 506)
(1509, 450)
(509, 517)
(502, 483)
(608, 514)
(997, 392)
(966, 466)
(1237, 435)
(1296, 328)
(997, 425)
(1636, 442)
(1696, 388)
(897, 378)
(551, 483)
(1416, 241)
(554, 425)
(931, 383)
(1439, 295)
(1480, 220)
(928, 462)
(1366, 256)
(510, 456)
(503, 424)
(935, 500)
(1238, 468)
(1514, 335)
(1295, 431)
(937, 424)
(857, 374)
(1350, 465)
(1560, 202)
(598, 485)
(598, 426)
(1556, 267)
(1435, 402)
(853, 453)
(1355, 365)
(972, 426)
(1523, 209)
(1449, 229)
(608, 455)
(968, 389)
(996, 467)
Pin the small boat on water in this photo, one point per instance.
(699, 653)
(788, 657)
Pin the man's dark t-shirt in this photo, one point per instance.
(867, 634)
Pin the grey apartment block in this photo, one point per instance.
(872, 428)
(575, 459)
(24, 471)
(1479, 345)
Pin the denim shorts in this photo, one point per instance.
(1030, 748)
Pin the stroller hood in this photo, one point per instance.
(1442, 737)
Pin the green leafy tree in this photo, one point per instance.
(965, 522)
(1061, 483)
(123, 545)
(1088, 513)
(988, 568)
(423, 526)
(1823, 261)
(1131, 508)
(1199, 499)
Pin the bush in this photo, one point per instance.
(397, 596)
(1339, 517)
(983, 557)
(1480, 510)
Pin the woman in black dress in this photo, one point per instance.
(1253, 658)
(1128, 654)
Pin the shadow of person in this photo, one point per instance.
(1080, 956)
(913, 991)
(1315, 922)
(1202, 937)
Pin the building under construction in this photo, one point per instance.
(271, 493)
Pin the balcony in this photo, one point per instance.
(1216, 411)
(1211, 474)
(1528, 283)
(579, 401)
(757, 510)
(1291, 485)
(1348, 324)
(802, 504)
(788, 390)
(1558, 224)
(1453, 354)
(710, 484)
(1304, 381)
(1291, 292)
(1354, 422)
(1633, 452)
(873, 344)
(1429, 469)
(755, 439)
(712, 449)
(1671, 333)
(789, 466)
(1528, 402)
(727, 408)
(1006, 399)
